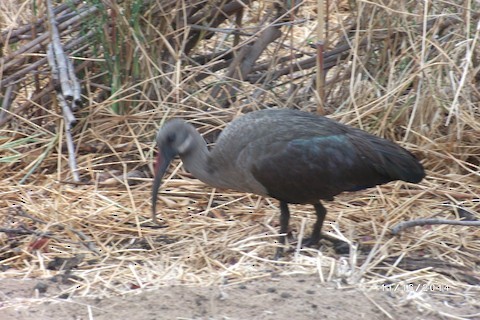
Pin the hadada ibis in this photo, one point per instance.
(293, 156)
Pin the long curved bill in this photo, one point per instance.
(162, 161)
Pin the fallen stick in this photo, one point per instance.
(422, 222)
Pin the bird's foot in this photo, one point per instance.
(278, 254)
(340, 246)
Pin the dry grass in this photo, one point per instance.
(403, 79)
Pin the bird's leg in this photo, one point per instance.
(339, 245)
(284, 218)
(321, 212)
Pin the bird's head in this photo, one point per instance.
(174, 138)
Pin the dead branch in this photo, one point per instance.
(12, 36)
(21, 73)
(18, 58)
(59, 60)
(243, 63)
(213, 19)
(25, 231)
(62, 70)
(7, 101)
(454, 270)
(423, 222)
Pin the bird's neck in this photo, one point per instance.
(197, 161)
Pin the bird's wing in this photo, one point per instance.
(310, 168)
(387, 158)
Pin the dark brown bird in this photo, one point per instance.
(292, 156)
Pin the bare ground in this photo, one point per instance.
(297, 297)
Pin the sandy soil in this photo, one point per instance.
(299, 297)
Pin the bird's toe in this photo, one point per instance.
(340, 247)
(310, 242)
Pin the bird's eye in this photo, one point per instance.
(171, 138)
